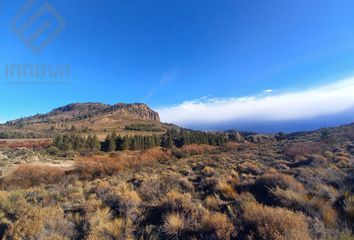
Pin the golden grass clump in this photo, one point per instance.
(226, 190)
(218, 224)
(343, 160)
(213, 202)
(173, 225)
(105, 226)
(309, 204)
(249, 167)
(275, 223)
(349, 206)
(177, 201)
(124, 201)
(283, 181)
(208, 171)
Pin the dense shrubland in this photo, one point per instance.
(293, 188)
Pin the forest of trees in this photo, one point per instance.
(75, 142)
(113, 142)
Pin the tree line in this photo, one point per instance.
(76, 142)
(113, 142)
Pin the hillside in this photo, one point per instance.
(95, 118)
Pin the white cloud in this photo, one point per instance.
(268, 91)
(327, 99)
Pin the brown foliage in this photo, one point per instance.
(302, 149)
(98, 166)
(31, 143)
(196, 149)
(28, 175)
(101, 166)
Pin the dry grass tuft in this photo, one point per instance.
(218, 224)
(177, 201)
(283, 181)
(213, 202)
(349, 206)
(105, 226)
(208, 171)
(275, 223)
(226, 190)
(249, 167)
(173, 225)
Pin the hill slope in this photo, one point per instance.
(90, 117)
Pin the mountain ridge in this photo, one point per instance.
(82, 117)
(90, 109)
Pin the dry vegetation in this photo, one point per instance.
(289, 189)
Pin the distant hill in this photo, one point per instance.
(93, 118)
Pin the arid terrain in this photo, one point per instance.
(169, 182)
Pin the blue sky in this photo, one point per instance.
(167, 53)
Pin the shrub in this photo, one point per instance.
(29, 175)
(99, 166)
(284, 181)
(313, 206)
(124, 201)
(40, 223)
(196, 149)
(302, 149)
(154, 154)
(275, 223)
(263, 186)
(229, 146)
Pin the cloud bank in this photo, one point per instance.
(325, 100)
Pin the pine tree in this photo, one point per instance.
(96, 143)
(67, 143)
(126, 143)
(109, 144)
(119, 143)
(58, 141)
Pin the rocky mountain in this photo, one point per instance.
(80, 111)
(97, 117)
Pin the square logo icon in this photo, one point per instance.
(37, 25)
